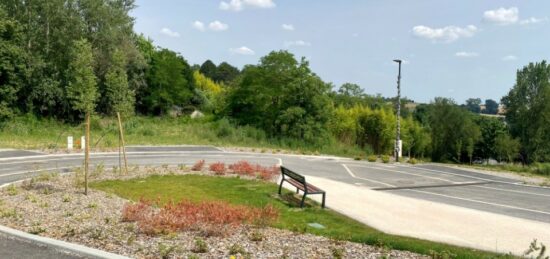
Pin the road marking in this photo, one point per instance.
(402, 172)
(36, 171)
(482, 202)
(506, 190)
(353, 175)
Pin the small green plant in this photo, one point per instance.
(44, 205)
(412, 161)
(31, 198)
(372, 158)
(47, 191)
(236, 249)
(256, 236)
(99, 170)
(66, 198)
(165, 250)
(8, 213)
(131, 239)
(12, 190)
(193, 256)
(200, 246)
(92, 205)
(441, 255)
(37, 229)
(385, 159)
(337, 253)
(357, 158)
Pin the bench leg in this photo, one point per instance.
(303, 199)
(297, 190)
(323, 204)
(281, 185)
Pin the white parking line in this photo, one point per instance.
(506, 190)
(482, 202)
(373, 181)
(402, 172)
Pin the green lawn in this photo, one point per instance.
(258, 193)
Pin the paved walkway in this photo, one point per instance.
(431, 220)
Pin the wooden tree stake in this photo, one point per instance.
(87, 154)
(121, 132)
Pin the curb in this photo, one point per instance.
(60, 245)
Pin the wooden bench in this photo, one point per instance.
(299, 181)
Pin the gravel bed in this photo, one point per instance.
(52, 206)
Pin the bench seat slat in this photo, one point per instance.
(310, 188)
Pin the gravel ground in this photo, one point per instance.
(52, 206)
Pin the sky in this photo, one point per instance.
(457, 49)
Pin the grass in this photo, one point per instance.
(536, 169)
(29, 132)
(259, 194)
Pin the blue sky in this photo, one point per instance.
(456, 49)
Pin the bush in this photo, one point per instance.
(412, 161)
(218, 168)
(242, 168)
(198, 166)
(262, 172)
(385, 159)
(372, 158)
(208, 217)
(542, 168)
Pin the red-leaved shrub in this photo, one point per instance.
(209, 217)
(198, 166)
(218, 168)
(242, 168)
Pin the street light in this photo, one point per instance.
(398, 135)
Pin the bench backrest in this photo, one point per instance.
(293, 175)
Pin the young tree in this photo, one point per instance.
(82, 90)
(82, 83)
(118, 94)
(506, 147)
(528, 111)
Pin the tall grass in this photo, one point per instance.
(29, 132)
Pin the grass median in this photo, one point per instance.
(258, 194)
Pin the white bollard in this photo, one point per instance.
(82, 142)
(70, 142)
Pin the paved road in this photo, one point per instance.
(429, 182)
(11, 248)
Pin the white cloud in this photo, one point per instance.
(502, 16)
(238, 5)
(299, 43)
(242, 51)
(198, 25)
(533, 20)
(218, 26)
(445, 34)
(169, 33)
(287, 27)
(464, 54)
(509, 58)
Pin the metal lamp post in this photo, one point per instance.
(398, 135)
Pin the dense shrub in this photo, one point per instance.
(412, 161)
(208, 217)
(218, 168)
(372, 158)
(386, 159)
(266, 173)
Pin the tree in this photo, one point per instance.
(82, 87)
(226, 73)
(12, 65)
(283, 97)
(349, 89)
(170, 83)
(490, 129)
(209, 69)
(473, 105)
(528, 111)
(506, 147)
(119, 96)
(491, 107)
(377, 129)
(452, 130)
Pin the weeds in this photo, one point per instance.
(337, 253)
(12, 190)
(237, 249)
(200, 246)
(537, 250)
(165, 250)
(256, 236)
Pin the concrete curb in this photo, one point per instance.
(60, 245)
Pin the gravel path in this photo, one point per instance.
(52, 206)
